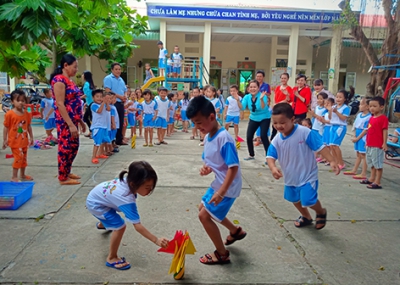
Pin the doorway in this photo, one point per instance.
(244, 77)
(342, 80)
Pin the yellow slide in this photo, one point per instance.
(152, 80)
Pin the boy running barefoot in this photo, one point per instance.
(294, 148)
(219, 156)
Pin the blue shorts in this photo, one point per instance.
(337, 135)
(183, 116)
(131, 119)
(169, 69)
(161, 63)
(306, 194)
(50, 124)
(171, 120)
(234, 119)
(326, 135)
(112, 134)
(161, 123)
(220, 211)
(100, 136)
(110, 220)
(360, 146)
(148, 121)
(176, 70)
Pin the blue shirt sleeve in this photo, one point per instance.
(42, 104)
(107, 82)
(244, 102)
(227, 102)
(218, 105)
(94, 107)
(112, 111)
(346, 111)
(86, 89)
(202, 156)
(165, 51)
(314, 141)
(272, 152)
(131, 213)
(229, 154)
(155, 105)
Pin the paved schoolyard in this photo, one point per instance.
(359, 245)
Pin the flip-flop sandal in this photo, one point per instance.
(303, 222)
(249, 158)
(236, 236)
(145, 145)
(151, 145)
(220, 259)
(365, 182)
(27, 178)
(358, 176)
(102, 156)
(122, 261)
(164, 142)
(321, 222)
(74, 176)
(374, 186)
(349, 172)
(70, 182)
(157, 143)
(95, 161)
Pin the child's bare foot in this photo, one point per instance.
(15, 179)
(74, 176)
(70, 182)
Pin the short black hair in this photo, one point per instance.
(378, 99)
(260, 72)
(16, 94)
(146, 91)
(283, 109)
(170, 96)
(323, 94)
(162, 88)
(200, 104)
(115, 64)
(95, 91)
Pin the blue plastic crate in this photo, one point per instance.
(14, 194)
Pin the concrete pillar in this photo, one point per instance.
(88, 63)
(206, 50)
(12, 84)
(292, 57)
(334, 62)
(163, 32)
(274, 48)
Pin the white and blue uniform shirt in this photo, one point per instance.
(233, 107)
(177, 59)
(100, 120)
(216, 103)
(361, 122)
(344, 110)
(131, 108)
(220, 154)
(113, 195)
(149, 108)
(163, 106)
(172, 109)
(326, 117)
(184, 104)
(163, 53)
(296, 155)
(114, 113)
(317, 125)
(47, 104)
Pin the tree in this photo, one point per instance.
(39, 28)
(390, 45)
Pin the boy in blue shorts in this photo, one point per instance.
(150, 108)
(47, 111)
(163, 105)
(233, 109)
(163, 54)
(100, 123)
(219, 156)
(294, 148)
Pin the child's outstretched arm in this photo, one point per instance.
(328, 156)
(276, 173)
(219, 195)
(161, 242)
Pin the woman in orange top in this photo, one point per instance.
(17, 134)
(302, 97)
(283, 93)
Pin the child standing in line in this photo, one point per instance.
(338, 117)
(233, 109)
(149, 72)
(149, 116)
(317, 113)
(194, 93)
(100, 121)
(133, 108)
(306, 123)
(176, 58)
(172, 111)
(183, 104)
(47, 111)
(114, 124)
(219, 156)
(328, 103)
(360, 127)
(120, 195)
(139, 114)
(376, 142)
(18, 135)
(163, 54)
(211, 94)
(163, 105)
(292, 147)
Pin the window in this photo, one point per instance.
(4, 85)
(192, 38)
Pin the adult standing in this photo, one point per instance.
(264, 87)
(68, 110)
(283, 93)
(302, 97)
(260, 116)
(88, 87)
(113, 82)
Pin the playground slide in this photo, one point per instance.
(152, 80)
